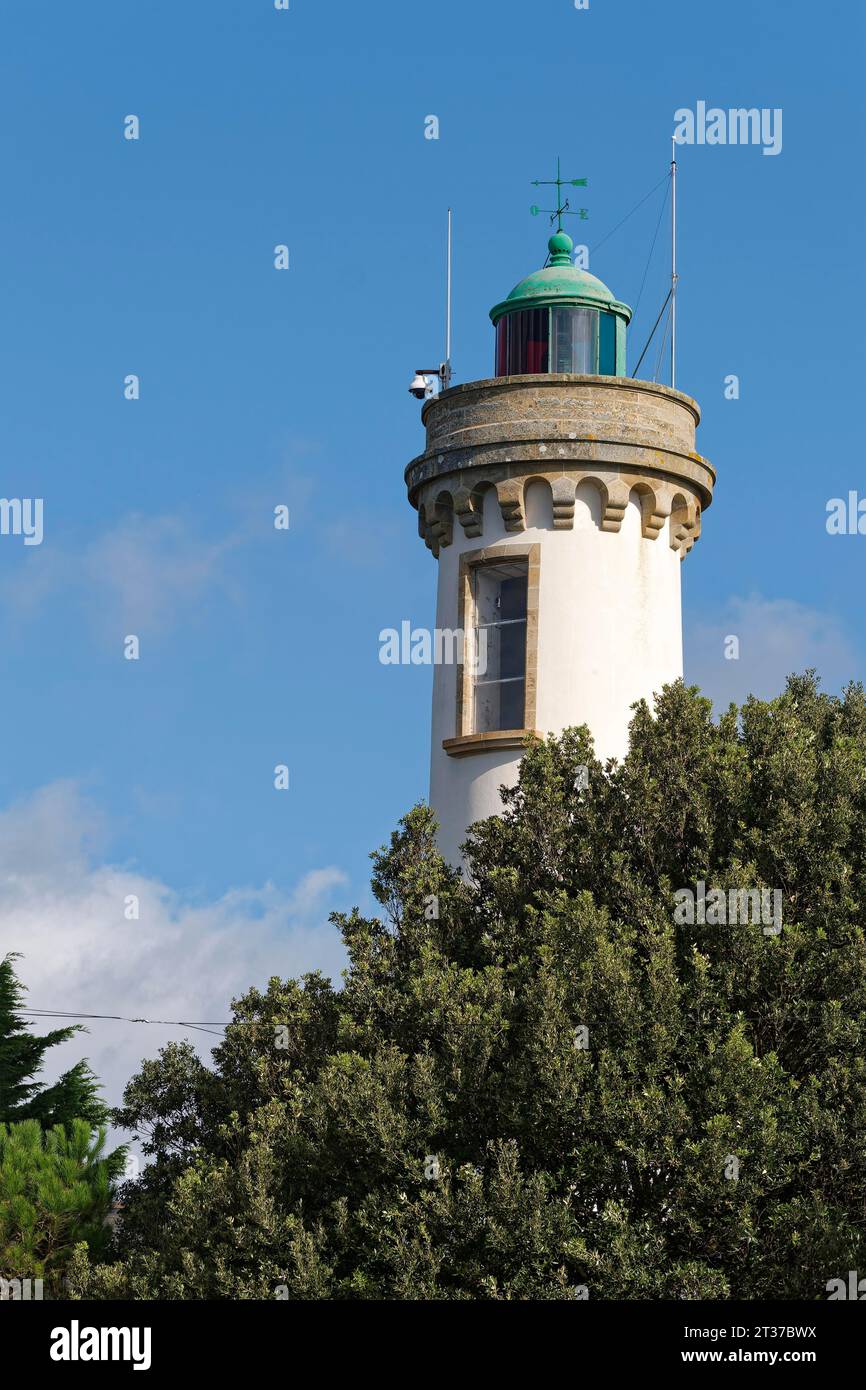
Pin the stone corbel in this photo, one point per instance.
(654, 513)
(443, 526)
(562, 490)
(685, 528)
(695, 533)
(470, 519)
(510, 496)
(616, 502)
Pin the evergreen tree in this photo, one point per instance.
(54, 1194)
(74, 1096)
(542, 1079)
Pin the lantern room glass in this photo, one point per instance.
(522, 343)
(574, 341)
(570, 340)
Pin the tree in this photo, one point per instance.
(74, 1096)
(54, 1194)
(544, 1081)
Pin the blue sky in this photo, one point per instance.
(260, 387)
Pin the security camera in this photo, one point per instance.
(429, 380)
(420, 388)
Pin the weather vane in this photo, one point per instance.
(562, 209)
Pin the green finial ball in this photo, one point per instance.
(560, 247)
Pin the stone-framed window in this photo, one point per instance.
(497, 681)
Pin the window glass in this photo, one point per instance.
(581, 341)
(607, 345)
(499, 691)
(502, 347)
(522, 342)
(575, 340)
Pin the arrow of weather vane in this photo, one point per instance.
(563, 207)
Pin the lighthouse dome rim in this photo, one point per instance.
(560, 285)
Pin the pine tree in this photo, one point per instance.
(55, 1193)
(74, 1096)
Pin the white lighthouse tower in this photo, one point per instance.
(559, 497)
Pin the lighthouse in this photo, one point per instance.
(558, 497)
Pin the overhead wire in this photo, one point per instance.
(652, 248)
(652, 335)
(609, 234)
(664, 337)
(203, 1026)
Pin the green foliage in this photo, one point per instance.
(54, 1194)
(307, 1169)
(22, 1054)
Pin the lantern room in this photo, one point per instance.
(561, 319)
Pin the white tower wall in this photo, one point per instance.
(599, 476)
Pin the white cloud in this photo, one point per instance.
(143, 575)
(62, 907)
(148, 567)
(148, 573)
(776, 637)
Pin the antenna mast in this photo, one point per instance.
(446, 374)
(674, 276)
(423, 388)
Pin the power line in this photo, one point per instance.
(205, 1026)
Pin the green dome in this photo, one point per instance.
(560, 283)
